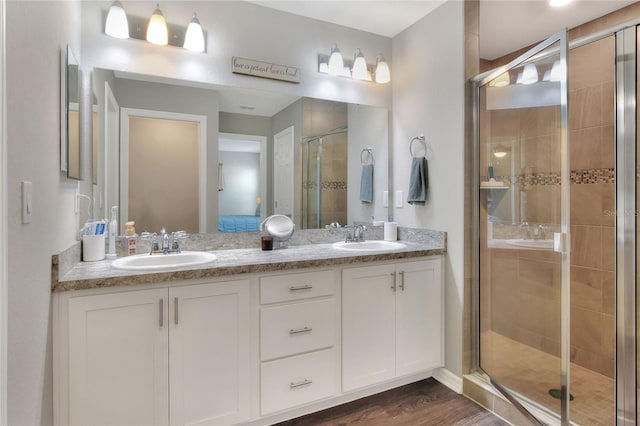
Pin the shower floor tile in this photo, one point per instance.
(532, 373)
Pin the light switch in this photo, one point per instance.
(385, 198)
(27, 201)
(399, 198)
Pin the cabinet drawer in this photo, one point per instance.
(297, 380)
(297, 327)
(283, 288)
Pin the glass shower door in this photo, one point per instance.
(523, 198)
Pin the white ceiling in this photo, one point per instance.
(505, 25)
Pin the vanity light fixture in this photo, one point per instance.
(530, 74)
(359, 70)
(157, 32)
(336, 63)
(116, 24)
(194, 39)
(383, 75)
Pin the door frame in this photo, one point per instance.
(125, 114)
(540, 50)
(262, 140)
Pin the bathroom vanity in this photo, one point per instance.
(251, 338)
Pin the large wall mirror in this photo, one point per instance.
(70, 118)
(207, 158)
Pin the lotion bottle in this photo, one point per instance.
(131, 237)
(113, 232)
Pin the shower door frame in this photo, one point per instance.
(627, 41)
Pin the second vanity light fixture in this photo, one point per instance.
(358, 69)
(157, 31)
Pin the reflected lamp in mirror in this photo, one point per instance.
(117, 25)
(70, 119)
(155, 30)
(500, 151)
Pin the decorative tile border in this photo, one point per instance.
(330, 184)
(578, 177)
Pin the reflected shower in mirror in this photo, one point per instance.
(236, 124)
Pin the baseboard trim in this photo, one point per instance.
(449, 379)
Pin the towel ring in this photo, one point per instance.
(367, 155)
(421, 139)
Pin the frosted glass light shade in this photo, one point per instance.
(194, 40)
(117, 25)
(556, 71)
(502, 80)
(530, 74)
(383, 74)
(336, 63)
(157, 29)
(359, 71)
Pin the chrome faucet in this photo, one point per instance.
(170, 242)
(355, 233)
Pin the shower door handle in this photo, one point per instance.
(560, 242)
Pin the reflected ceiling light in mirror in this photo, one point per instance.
(117, 25)
(336, 63)
(383, 74)
(500, 151)
(194, 40)
(359, 71)
(502, 80)
(530, 74)
(519, 79)
(157, 30)
(556, 71)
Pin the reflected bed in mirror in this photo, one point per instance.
(255, 153)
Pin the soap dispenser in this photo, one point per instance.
(131, 237)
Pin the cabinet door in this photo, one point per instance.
(419, 316)
(118, 372)
(368, 326)
(209, 353)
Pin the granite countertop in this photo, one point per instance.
(100, 274)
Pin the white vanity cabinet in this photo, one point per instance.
(299, 331)
(178, 355)
(392, 321)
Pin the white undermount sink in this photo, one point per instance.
(371, 245)
(155, 262)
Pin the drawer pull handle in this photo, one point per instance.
(161, 313)
(300, 288)
(305, 382)
(402, 280)
(393, 278)
(300, 330)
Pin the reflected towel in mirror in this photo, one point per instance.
(366, 184)
(418, 181)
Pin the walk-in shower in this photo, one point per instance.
(324, 179)
(555, 228)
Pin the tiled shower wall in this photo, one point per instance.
(526, 283)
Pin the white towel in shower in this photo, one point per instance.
(366, 184)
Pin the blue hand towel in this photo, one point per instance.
(366, 184)
(418, 181)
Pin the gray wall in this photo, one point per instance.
(36, 32)
(428, 98)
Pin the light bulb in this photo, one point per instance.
(117, 25)
(383, 75)
(336, 64)
(157, 29)
(530, 74)
(194, 39)
(359, 71)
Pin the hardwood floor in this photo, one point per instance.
(423, 403)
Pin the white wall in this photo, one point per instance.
(428, 98)
(36, 31)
